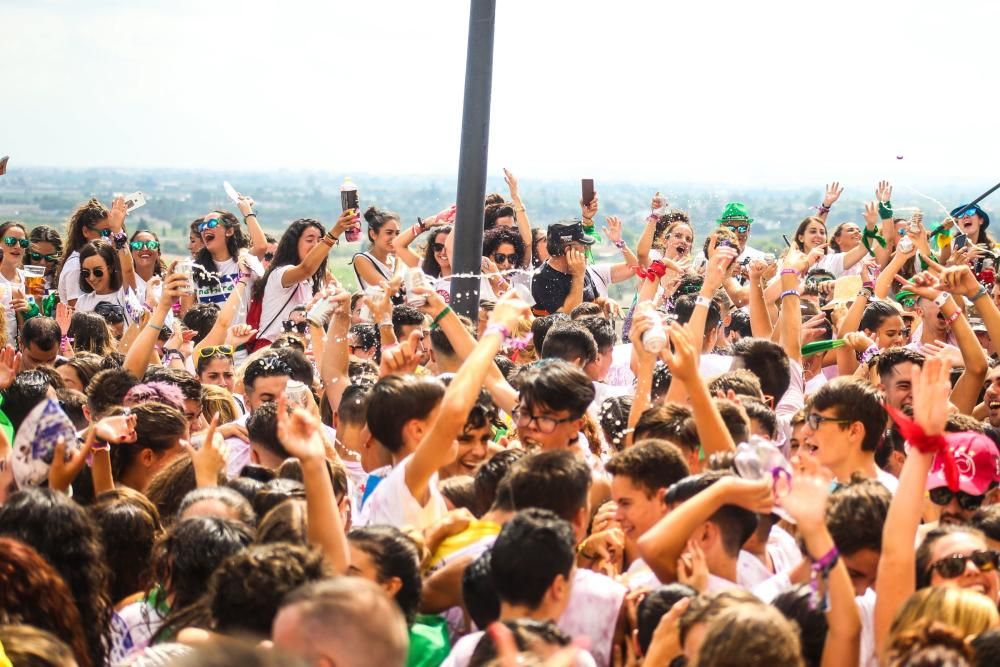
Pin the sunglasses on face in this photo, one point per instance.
(968, 213)
(98, 273)
(12, 242)
(148, 245)
(210, 224)
(212, 350)
(38, 257)
(437, 247)
(953, 567)
(289, 325)
(739, 229)
(943, 495)
(268, 256)
(501, 258)
(106, 233)
(814, 420)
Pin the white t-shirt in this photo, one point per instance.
(7, 296)
(279, 301)
(600, 274)
(463, 649)
(69, 279)
(391, 503)
(834, 263)
(594, 604)
(124, 298)
(217, 287)
(620, 373)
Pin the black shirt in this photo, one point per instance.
(550, 287)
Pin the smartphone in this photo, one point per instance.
(134, 201)
(960, 241)
(588, 191)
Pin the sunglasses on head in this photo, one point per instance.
(289, 325)
(37, 257)
(690, 288)
(739, 229)
(11, 241)
(437, 247)
(209, 224)
(953, 567)
(212, 350)
(148, 245)
(501, 258)
(943, 495)
(98, 273)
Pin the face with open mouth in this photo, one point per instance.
(214, 235)
(473, 444)
(970, 225)
(972, 578)
(14, 244)
(679, 241)
(992, 395)
(145, 249)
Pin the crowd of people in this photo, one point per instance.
(751, 459)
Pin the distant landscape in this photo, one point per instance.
(176, 197)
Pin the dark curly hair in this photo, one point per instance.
(497, 236)
(68, 538)
(130, 526)
(33, 593)
(287, 254)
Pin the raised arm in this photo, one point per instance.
(116, 223)
(336, 353)
(715, 275)
(760, 318)
(896, 578)
(258, 242)
(138, 355)
(624, 270)
(643, 364)
(833, 192)
(300, 433)
(310, 264)
(436, 448)
(521, 214)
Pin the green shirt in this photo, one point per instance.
(429, 645)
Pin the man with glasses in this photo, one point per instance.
(736, 218)
(978, 465)
(553, 397)
(843, 427)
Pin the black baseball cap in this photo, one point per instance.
(569, 231)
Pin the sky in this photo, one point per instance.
(777, 94)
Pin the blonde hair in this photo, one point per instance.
(967, 611)
(214, 400)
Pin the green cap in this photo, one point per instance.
(735, 212)
(905, 294)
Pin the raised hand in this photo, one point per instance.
(300, 432)
(683, 359)
(64, 314)
(65, 469)
(692, 567)
(613, 230)
(509, 311)
(960, 280)
(18, 302)
(589, 211)
(833, 192)
(858, 341)
(10, 366)
(511, 181)
(402, 358)
(245, 205)
(925, 284)
(931, 390)
(239, 334)
(816, 254)
(116, 216)
(210, 460)
(883, 191)
(755, 495)
(718, 266)
(116, 429)
(871, 214)
(659, 202)
(349, 219)
(805, 500)
(944, 351)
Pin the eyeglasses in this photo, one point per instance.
(815, 420)
(739, 229)
(523, 419)
(11, 241)
(943, 495)
(501, 258)
(952, 567)
(268, 256)
(85, 273)
(38, 257)
(210, 224)
(289, 325)
(212, 350)
(437, 247)
(149, 245)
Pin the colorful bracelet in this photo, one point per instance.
(980, 294)
(819, 578)
(868, 354)
(868, 283)
(620, 244)
(950, 319)
(791, 292)
(790, 272)
(500, 329)
(823, 208)
(437, 320)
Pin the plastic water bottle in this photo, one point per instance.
(349, 200)
(761, 459)
(905, 244)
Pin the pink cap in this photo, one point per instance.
(977, 460)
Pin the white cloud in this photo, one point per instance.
(778, 93)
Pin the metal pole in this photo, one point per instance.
(468, 242)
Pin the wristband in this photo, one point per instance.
(153, 326)
(823, 208)
(866, 292)
(498, 328)
(868, 283)
(620, 244)
(120, 239)
(702, 301)
(519, 208)
(790, 272)
(885, 210)
(101, 447)
(868, 354)
(791, 292)
(385, 323)
(251, 214)
(942, 299)
(950, 319)
(819, 579)
(978, 295)
(436, 323)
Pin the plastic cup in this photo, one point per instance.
(34, 279)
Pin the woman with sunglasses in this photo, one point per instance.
(91, 221)
(14, 243)
(504, 255)
(296, 272)
(948, 556)
(217, 261)
(45, 250)
(104, 279)
(145, 248)
(972, 223)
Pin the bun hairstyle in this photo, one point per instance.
(377, 218)
(493, 198)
